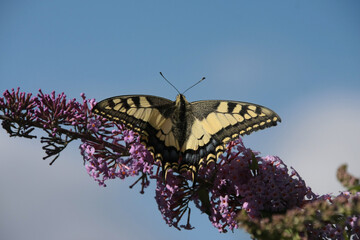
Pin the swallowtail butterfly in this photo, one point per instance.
(183, 135)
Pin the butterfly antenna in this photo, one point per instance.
(194, 84)
(169, 82)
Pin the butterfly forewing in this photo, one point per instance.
(227, 119)
(136, 111)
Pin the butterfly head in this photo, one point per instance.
(181, 101)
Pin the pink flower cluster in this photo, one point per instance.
(103, 163)
(240, 180)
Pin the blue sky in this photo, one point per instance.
(299, 58)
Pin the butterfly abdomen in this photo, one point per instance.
(181, 118)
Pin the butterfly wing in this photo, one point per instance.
(150, 116)
(216, 123)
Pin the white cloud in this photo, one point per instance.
(319, 134)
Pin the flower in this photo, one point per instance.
(224, 201)
(93, 125)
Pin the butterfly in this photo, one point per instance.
(183, 135)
